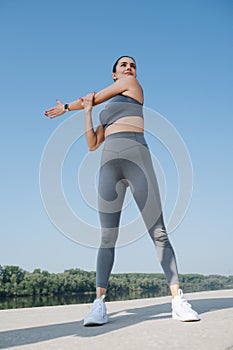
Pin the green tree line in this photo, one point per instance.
(14, 281)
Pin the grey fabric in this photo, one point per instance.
(126, 162)
(120, 106)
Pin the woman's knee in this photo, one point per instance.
(159, 236)
(109, 237)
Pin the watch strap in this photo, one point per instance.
(66, 107)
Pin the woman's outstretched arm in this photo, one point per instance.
(59, 109)
(128, 83)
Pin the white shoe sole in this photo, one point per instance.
(188, 318)
(89, 323)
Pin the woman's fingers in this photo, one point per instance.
(88, 98)
(50, 112)
(55, 111)
(87, 101)
(91, 96)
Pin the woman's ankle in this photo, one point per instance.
(174, 289)
(100, 291)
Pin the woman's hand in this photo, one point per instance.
(87, 102)
(55, 111)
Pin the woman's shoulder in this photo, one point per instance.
(132, 84)
(128, 85)
(136, 91)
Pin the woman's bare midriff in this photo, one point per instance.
(133, 124)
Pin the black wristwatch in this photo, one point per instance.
(66, 106)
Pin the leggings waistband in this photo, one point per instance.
(131, 135)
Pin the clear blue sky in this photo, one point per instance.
(65, 49)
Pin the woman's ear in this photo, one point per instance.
(114, 76)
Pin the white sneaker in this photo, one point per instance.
(98, 314)
(182, 310)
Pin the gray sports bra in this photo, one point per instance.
(120, 106)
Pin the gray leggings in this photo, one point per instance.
(126, 161)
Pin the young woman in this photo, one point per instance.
(125, 162)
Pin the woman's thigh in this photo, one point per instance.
(139, 172)
(111, 191)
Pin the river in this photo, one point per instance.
(81, 298)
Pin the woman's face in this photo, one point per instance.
(125, 67)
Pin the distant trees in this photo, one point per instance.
(137, 282)
(10, 279)
(196, 282)
(15, 281)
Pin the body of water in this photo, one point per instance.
(81, 298)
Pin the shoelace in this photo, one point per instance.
(183, 301)
(99, 304)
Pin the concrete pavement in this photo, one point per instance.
(135, 324)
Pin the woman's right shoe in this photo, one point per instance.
(98, 314)
(182, 310)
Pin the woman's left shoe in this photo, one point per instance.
(98, 314)
(182, 310)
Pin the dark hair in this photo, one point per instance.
(115, 64)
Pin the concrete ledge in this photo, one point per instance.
(135, 324)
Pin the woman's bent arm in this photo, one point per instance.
(94, 138)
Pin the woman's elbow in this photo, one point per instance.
(92, 148)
